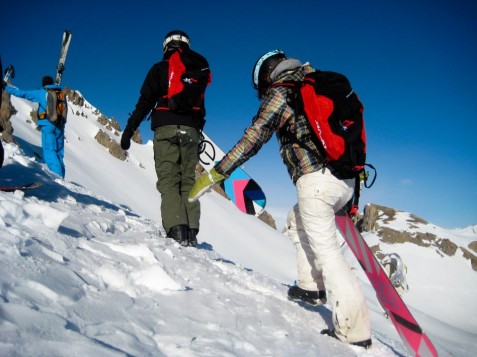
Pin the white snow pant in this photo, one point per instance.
(320, 195)
(309, 278)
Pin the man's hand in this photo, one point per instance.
(126, 138)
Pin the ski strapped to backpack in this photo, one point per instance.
(335, 114)
(65, 44)
(56, 102)
(56, 106)
(188, 77)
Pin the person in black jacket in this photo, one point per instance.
(177, 131)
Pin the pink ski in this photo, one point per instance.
(406, 325)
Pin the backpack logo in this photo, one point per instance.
(346, 124)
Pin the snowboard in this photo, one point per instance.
(65, 44)
(25, 187)
(244, 192)
(406, 325)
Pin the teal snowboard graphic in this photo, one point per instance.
(244, 192)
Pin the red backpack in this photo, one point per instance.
(188, 77)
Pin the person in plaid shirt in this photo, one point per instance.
(311, 223)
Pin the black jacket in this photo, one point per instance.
(154, 88)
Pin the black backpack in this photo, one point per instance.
(188, 77)
(335, 114)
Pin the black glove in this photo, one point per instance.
(126, 138)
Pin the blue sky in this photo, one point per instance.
(411, 62)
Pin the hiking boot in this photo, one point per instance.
(366, 344)
(308, 296)
(179, 234)
(192, 235)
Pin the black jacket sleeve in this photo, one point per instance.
(151, 92)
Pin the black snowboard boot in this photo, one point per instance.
(193, 237)
(365, 343)
(311, 297)
(179, 234)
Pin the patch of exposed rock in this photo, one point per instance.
(113, 147)
(376, 218)
(473, 246)
(468, 255)
(267, 218)
(5, 114)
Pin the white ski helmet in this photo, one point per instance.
(175, 39)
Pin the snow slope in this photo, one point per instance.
(85, 269)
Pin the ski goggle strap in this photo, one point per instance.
(259, 63)
(181, 38)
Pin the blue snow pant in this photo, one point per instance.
(53, 143)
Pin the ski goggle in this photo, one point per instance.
(258, 65)
(177, 37)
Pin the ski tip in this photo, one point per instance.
(25, 187)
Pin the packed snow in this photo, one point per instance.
(85, 268)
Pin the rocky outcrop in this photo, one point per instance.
(113, 147)
(110, 125)
(377, 218)
(137, 137)
(268, 219)
(447, 247)
(5, 114)
(116, 151)
(469, 256)
(473, 246)
(74, 97)
(103, 138)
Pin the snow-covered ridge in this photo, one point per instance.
(85, 269)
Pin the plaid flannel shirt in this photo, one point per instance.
(276, 115)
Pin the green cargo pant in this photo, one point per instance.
(176, 154)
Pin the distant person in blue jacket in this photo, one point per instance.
(52, 135)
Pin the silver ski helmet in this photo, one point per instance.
(263, 68)
(175, 39)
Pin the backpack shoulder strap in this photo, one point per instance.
(295, 101)
(42, 114)
(288, 84)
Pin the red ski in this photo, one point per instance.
(406, 325)
(29, 186)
